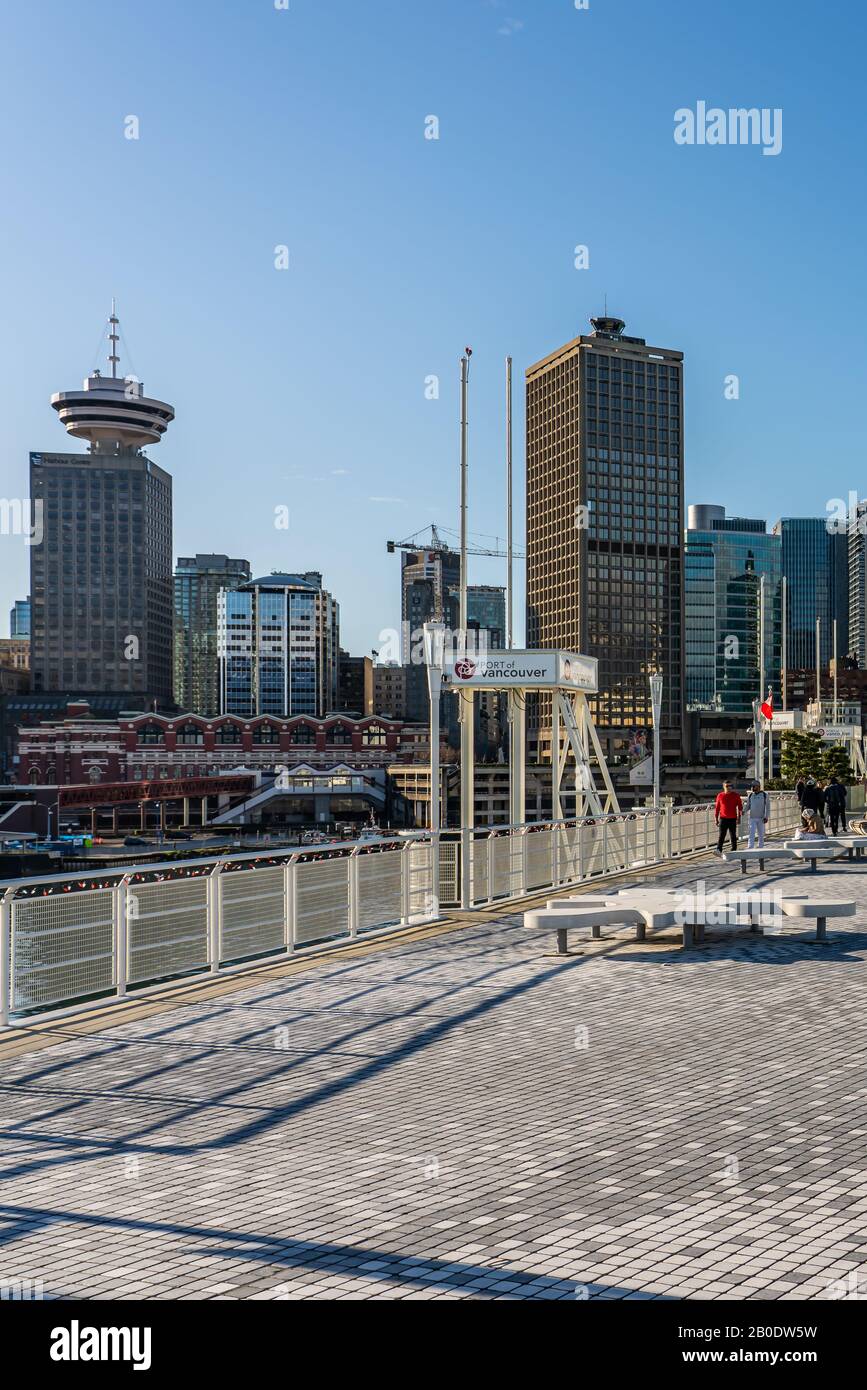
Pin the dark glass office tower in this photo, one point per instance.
(815, 566)
(605, 521)
(426, 579)
(19, 618)
(101, 578)
(726, 559)
(198, 581)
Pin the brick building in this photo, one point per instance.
(79, 748)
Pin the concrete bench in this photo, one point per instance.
(813, 851)
(808, 851)
(854, 845)
(650, 908)
(817, 909)
(655, 909)
(760, 855)
(564, 919)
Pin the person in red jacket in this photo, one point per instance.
(727, 812)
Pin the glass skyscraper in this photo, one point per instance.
(101, 580)
(726, 559)
(426, 578)
(198, 581)
(278, 642)
(856, 541)
(815, 566)
(19, 618)
(605, 521)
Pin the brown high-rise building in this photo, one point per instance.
(605, 522)
(101, 559)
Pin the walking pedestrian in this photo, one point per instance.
(812, 800)
(727, 811)
(758, 810)
(835, 804)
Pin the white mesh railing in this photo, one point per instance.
(167, 932)
(61, 947)
(321, 900)
(510, 862)
(69, 939)
(65, 939)
(252, 912)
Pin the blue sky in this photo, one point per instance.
(306, 388)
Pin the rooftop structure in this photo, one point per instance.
(112, 412)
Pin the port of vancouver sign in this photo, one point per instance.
(528, 670)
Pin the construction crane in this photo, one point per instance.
(418, 541)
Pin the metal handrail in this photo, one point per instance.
(42, 966)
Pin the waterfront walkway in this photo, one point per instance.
(456, 1113)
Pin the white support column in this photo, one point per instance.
(467, 713)
(6, 956)
(434, 639)
(289, 904)
(121, 901)
(517, 757)
(579, 707)
(215, 913)
(353, 886)
(556, 807)
(405, 886)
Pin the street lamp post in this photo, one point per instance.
(656, 710)
(434, 652)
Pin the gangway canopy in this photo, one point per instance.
(569, 677)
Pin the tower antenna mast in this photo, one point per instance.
(113, 336)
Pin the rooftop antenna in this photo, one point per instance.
(113, 336)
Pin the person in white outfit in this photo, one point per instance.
(758, 810)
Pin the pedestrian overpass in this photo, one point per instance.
(306, 795)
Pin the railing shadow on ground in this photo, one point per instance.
(371, 1068)
(253, 1039)
(283, 1254)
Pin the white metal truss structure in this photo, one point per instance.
(572, 713)
(567, 677)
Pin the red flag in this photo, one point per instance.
(768, 707)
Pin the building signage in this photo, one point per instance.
(787, 719)
(831, 732)
(641, 775)
(534, 670)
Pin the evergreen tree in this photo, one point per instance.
(802, 755)
(835, 763)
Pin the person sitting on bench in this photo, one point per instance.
(814, 830)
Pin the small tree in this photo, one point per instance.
(835, 763)
(802, 755)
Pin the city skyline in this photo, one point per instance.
(403, 255)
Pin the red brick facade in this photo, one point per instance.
(80, 749)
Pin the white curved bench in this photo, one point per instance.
(656, 909)
(570, 918)
(818, 909)
(766, 852)
(814, 852)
